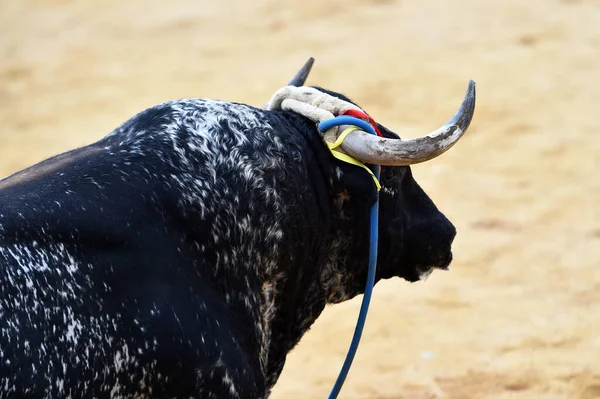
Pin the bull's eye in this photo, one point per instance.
(387, 173)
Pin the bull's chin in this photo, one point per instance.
(425, 272)
(422, 268)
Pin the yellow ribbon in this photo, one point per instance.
(347, 158)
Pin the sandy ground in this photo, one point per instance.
(519, 314)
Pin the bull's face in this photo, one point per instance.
(415, 237)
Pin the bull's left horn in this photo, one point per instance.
(302, 74)
(394, 152)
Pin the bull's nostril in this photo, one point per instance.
(452, 233)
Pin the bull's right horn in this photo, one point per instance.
(300, 78)
(302, 74)
(395, 152)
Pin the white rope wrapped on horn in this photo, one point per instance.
(312, 104)
(312, 96)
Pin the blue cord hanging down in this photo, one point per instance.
(373, 240)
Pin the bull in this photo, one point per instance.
(187, 252)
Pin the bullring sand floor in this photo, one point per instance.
(518, 315)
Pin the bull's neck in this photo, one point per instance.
(311, 284)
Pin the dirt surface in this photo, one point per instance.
(518, 316)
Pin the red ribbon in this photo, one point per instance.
(363, 115)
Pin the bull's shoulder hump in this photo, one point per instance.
(174, 116)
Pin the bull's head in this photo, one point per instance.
(415, 237)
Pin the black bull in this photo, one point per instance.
(187, 252)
